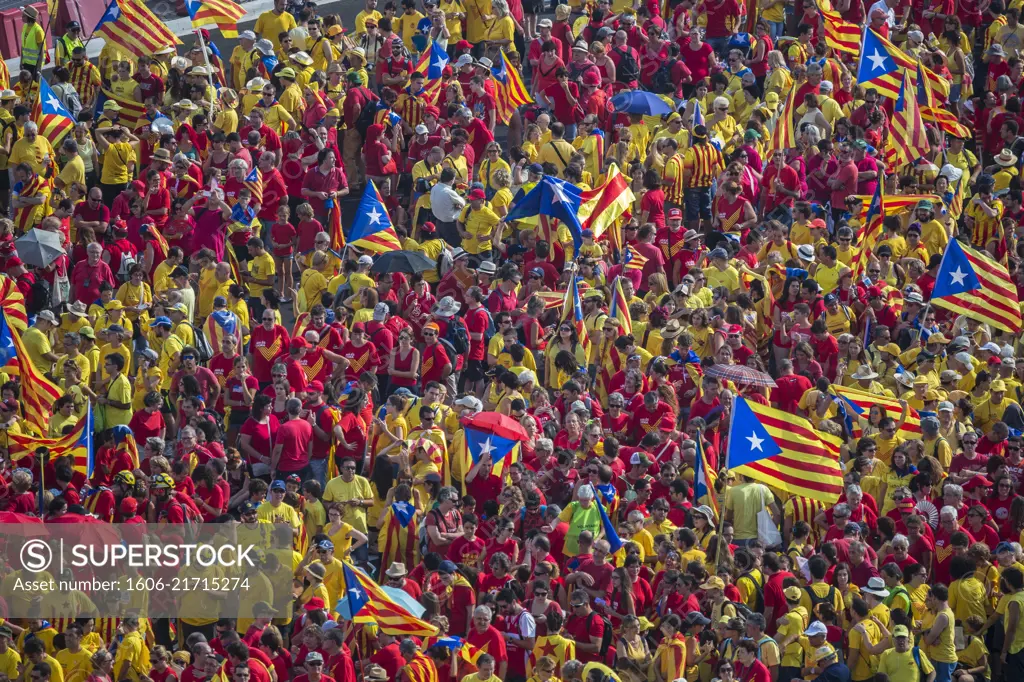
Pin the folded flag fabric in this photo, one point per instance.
(858, 403)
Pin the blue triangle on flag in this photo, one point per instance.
(749, 440)
(481, 443)
(371, 216)
(956, 274)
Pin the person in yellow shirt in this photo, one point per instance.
(33, 149)
(369, 12)
(119, 160)
(864, 636)
(476, 225)
(902, 664)
(10, 659)
(37, 341)
(273, 23)
(291, 95)
(116, 397)
(261, 268)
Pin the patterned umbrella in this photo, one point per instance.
(741, 374)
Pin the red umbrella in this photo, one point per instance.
(93, 531)
(497, 424)
(21, 525)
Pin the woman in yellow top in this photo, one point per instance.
(63, 415)
(312, 283)
(390, 433)
(135, 294)
(780, 80)
(631, 652)
(344, 536)
(490, 166)
(499, 27)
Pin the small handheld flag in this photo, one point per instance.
(606, 524)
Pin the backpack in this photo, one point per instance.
(457, 336)
(128, 261)
(627, 70)
(742, 610)
(445, 262)
(758, 591)
(193, 520)
(829, 597)
(916, 651)
(661, 82)
(202, 344)
(606, 634)
(38, 297)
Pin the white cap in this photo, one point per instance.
(247, 35)
(964, 358)
(365, 260)
(945, 406)
(992, 348)
(816, 628)
(586, 492)
(471, 402)
(380, 311)
(825, 85)
(422, 129)
(464, 60)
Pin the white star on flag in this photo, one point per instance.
(113, 12)
(755, 442)
(877, 60)
(403, 506)
(356, 593)
(375, 216)
(53, 103)
(442, 61)
(559, 193)
(486, 448)
(958, 276)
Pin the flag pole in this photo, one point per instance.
(725, 484)
(209, 70)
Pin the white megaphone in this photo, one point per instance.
(162, 126)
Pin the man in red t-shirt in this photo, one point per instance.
(388, 656)
(477, 320)
(294, 444)
(486, 637)
(790, 388)
(780, 185)
(585, 627)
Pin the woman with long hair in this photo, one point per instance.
(567, 341)
(257, 435)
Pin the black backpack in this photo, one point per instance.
(606, 634)
(202, 344)
(662, 83)
(829, 597)
(38, 297)
(758, 591)
(627, 70)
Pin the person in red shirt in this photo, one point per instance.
(790, 387)
(485, 636)
(294, 444)
(781, 184)
(748, 667)
(269, 342)
(585, 627)
(360, 355)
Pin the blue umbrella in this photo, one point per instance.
(640, 102)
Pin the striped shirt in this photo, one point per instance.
(673, 180)
(704, 163)
(85, 79)
(803, 509)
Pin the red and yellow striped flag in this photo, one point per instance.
(389, 616)
(131, 26)
(840, 34)
(785, 130)
(37, 392)
(909, 140)
(224, 14)
(620, 308)
(784, 451)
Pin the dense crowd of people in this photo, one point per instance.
(281, 381)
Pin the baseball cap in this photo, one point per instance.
(422, 129)
(447, 567)
(162, 321)
(477, 194)
(365, 260)
(278, 485)
(246, 508)
(674, 213)
(900, 631)
(816, 628)
(316, 386)
(380, 311)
